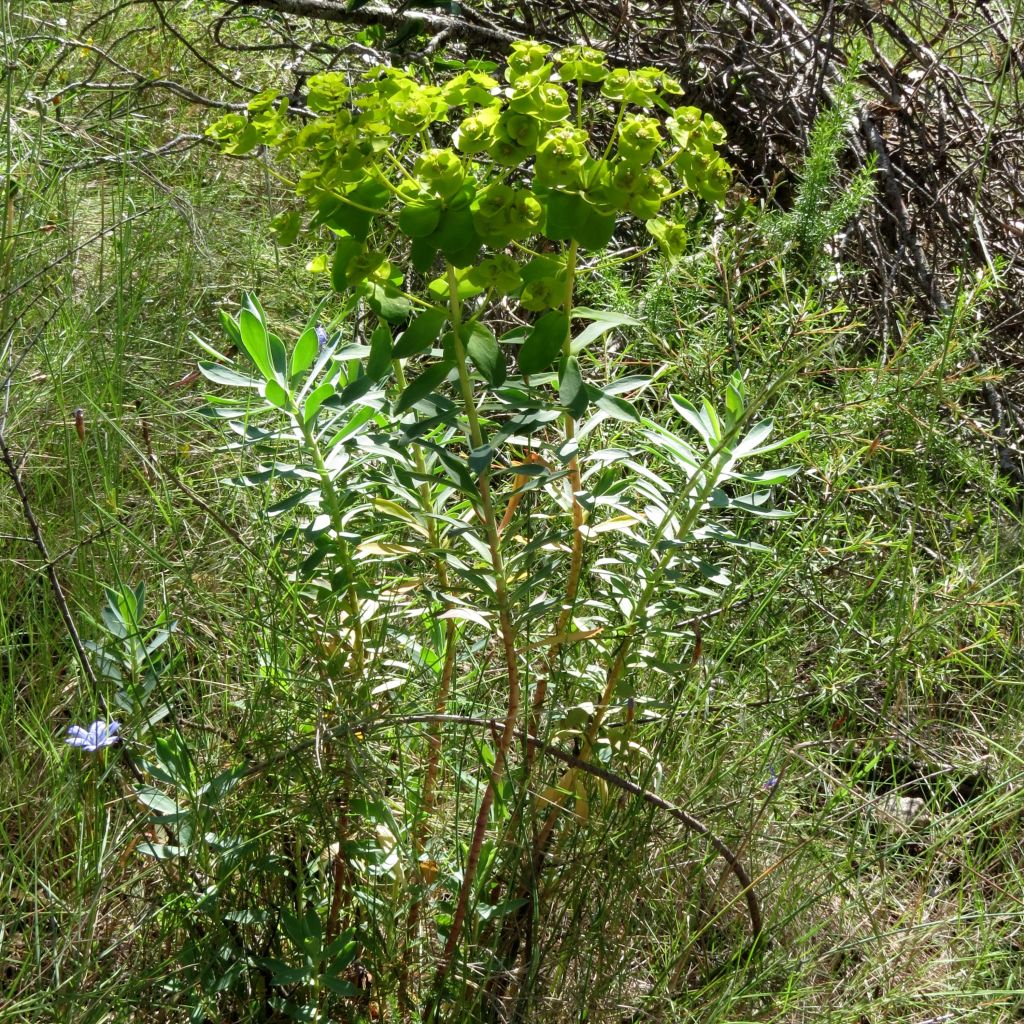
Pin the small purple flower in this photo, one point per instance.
(321, 338)
(771, 782)
(96, 737)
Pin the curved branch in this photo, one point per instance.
(695, 825)
(139, 84)
(381, 14)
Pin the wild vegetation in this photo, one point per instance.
(535, 575)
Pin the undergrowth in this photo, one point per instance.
(844, 712)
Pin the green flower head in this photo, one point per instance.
(500, 273)
(715, 182)
(441, 171)
(543, 293)
(471, 88)
(413, 107)
(508, 153)
(644, 189)
(524, 58)
(639, 138)
(327, 91)
(670, 236)
(520, 129)
(547, 101)
(476, 133)
(681, 125)
(581, 64)
(365, 265)
(502, 214)
(640, 87)
(711, 131)
(561, 158)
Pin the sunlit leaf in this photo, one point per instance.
(543, 345)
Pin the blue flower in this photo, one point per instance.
(771, 782)
(321, 338)
(96, 737)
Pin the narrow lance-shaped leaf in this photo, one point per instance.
(572, 392)
(304, 352)
(253, 335)
(316, 399)
(423, 385)
(602, 321)
(421, 333)
(381, 343)
(225, 375)
(482, 347)
(543, 344)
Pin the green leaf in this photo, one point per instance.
(768, 476)
(387, 302)
(341, 952)
(482, 347)
(380, 352)
(612, 405)
(285, 227)
(764, 449)
(570, 216)
(702, 420)
(225, 375)
(680, 451)
(230, 329)
(345, 251)
(481, 459)
(339, 986)
(422, 253)
(173, 756)
(541, 267)
(316, 399)
(287, 504)
(304, 352)
(341, 215)
(489, 913)
(734, 398)
(275, 394)
(420, 334)
(456, 236)
(220, 785)
(159, 850)
(353, 391)
(422, 386)
(284, 973)
(418, 220)
(571, 391)
(603, 321)
(543, 345)
(465, 287)
(457, 469)
(254, 338)
(278, 358)
(156, 801)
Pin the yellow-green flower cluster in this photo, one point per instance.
(521, 162)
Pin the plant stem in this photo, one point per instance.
(558, 796)
(448, 670)
(333, 505)
(507, 631)
(576, 559)
(426, 803)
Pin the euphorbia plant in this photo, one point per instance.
(452, 206)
